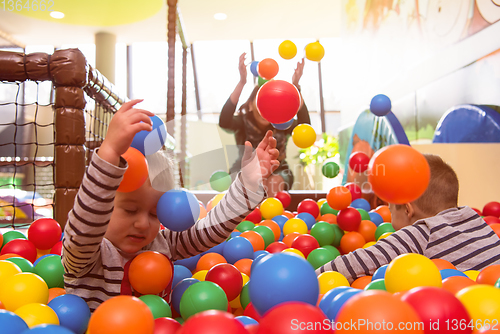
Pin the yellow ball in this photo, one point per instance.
(235, 303)
(21, 289)
(271, 207)
(482, 303)
(200, 275)
(293, 251)
(287, 49)
(295, 225)
(315, 51)
(320, 203)
(303, 135)
(408, 271)
(245, 279)
(384, 235)
(8, 269)
(472, 274)
(331, 279)
(35, 314)
(368, 244)
(214, 201)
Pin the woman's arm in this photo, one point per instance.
(226, 115)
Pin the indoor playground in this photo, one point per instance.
(358, 94)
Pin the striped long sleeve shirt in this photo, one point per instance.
(458, 235)
(94, 267)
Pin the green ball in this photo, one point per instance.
(245, 225)
(383, 228)
(266, 233)
(202, 296)
(497, 284)
(220, 181)
(323, 232)
(338, 235)
(261, 81)
(330, 169)
(158, 306)
(364, 214)
(25, 265)
(180, 320)
(378, 284)
(333, 250)
(326, 208)
(51, 270)
(244, 296)
(320, 256)
(11, 235)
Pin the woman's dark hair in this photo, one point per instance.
(245, 107)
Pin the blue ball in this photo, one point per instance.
(254, 68)
(189, 262)
(376, 218)
(12, 323)
(42, 257)
(235, 234)
(445, 273)
(380, 272)
(47, 329)
(309, 219)
(180, 273)
(280, 220)
(178, 291)
(149, 142)
(283, 126)
(257, 256)
(361, 203)
(246, 320)
(328, 297)
(280, 278)
(236, 249)
(72, 311)
(178, 210)
(380, 105)
(339, 301)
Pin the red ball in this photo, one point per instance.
(278, 101)
(477, 211)
(255, 216)
(251, 312)
(349, 219)
(309, 206)
(166, 326)
(57, 248)
(492, 209)
(21, 247)
(437, 307)
(228, 277)
(213, 322)
(358, 161)
(354, 189)
(44, 233)
(284, 198)
(305, 243)
(491, 220)
(276, 247)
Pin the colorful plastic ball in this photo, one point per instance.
(305, 243)
(178, 210)
(255, 239)
(245, 225)
(72, 311)
(375, 218)
(361, 282)
(287, 49)
(228, 277)
(21, 247)
(37, 314)
(122, 314)
(383, 228)
(443, 264)
(323, 232)
(150, 273)
(246, 320)
(180, 273)
(339, 301)
(214, 201)
(349, 219)
(354, 189)
(11, 235)
(254, 68)
(398, 174)
(12, 323)
(44, 233)
(330, 169)
(408, 271)
(261, 81)
(202, 296)
(179, 290)
(303, 135)
(52, 271)
(166, 326)
(319, 257)
(327, 209)
(267, 234)
(489, 275)
(136, 173)
(380, 105)
(328, 297)
(283, 126)
(308, 218)
(367, 230)
(380, 272)
(294, 252)
(275, 228)
(492, 209)
(238, 248)
(361, 203)
(438, 306)
(57, 249)
(149, 142)
(255, 216)
(21, 289)
(271, 207)
(376, 284)
(351, 241)
(276, 247)
(211, 322)
(278, 101)
(310, 206)
(268, 68)
(358, 162)
(331, 279)
(472, 274)
(294, 225)
(315, 51)
(445, 273)
(55, 292)
(284, 197)
(207, 261)
(200, 275)
(22, 263)
(220, 180)
(339, 198)
(482, 303)
(157, 305)
(364, 214)
(384, 212)
(280, 278)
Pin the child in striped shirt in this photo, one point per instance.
(433, 226)
(106, 228)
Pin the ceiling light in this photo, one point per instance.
(57, 15)
(220, 16)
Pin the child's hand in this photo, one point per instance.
(297, 74)
(258, 166)
(242, 68)
(124, 125)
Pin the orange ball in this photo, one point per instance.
(361, 282)
(329, 218)
(7, 256)
(55, 292)
(122, 315)
(203, 211)
(496, 229)
(289, 238)
(489, 275)
(457, 283)
(398, 174)
(255, 239)
(244, 266)
(367, 230)
(384, 212)
(208, 260)
(150, 273)
(443, 264)
(268, 68)
(339, 198)
(288, 214)
(136, 173)
(351, 241)
(273, 226)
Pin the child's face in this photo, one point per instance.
(399, 216)
(133, 223)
